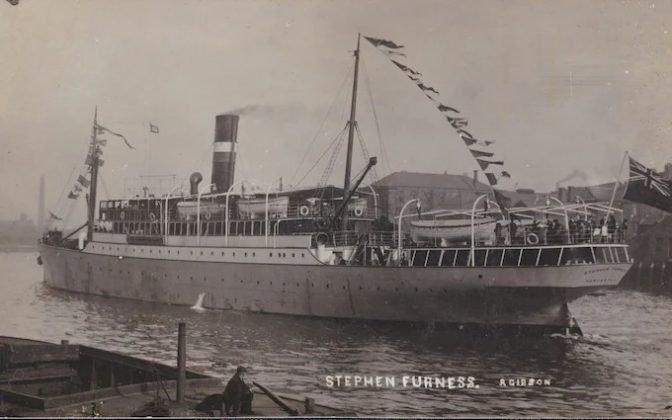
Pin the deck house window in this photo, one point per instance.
(479, 257)
(620, 254)
(600, 255)
(511, 257)
(529, 257)
(494, 257)
(572, 255)
(462, 258)
(549, 256)
(433, 258)
(419, 258)
(448, 258)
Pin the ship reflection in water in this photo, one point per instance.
(622, 367)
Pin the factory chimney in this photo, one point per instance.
(224, 152)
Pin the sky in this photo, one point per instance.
(559, 86)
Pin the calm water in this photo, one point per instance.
(623, 366)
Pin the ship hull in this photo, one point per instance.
(518, 296)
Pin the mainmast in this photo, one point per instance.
(94, 177)
(351, 133)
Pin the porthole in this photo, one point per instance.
(241, 282)
(360, 287)
(150, 251)
(246, 254)
(222, 253)
(416, 290)
(396, 289)
(327, 285)
(257, 281)
(254, 254)
(283, 283)
(293, 255)
(303, 254)
(191, 252)
(201, 252)
(270, 254)
(191, 277)
(212, 253)
(270, 283)
(298, 285)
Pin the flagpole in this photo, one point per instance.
(613, 193)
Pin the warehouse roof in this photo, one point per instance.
(426, 180)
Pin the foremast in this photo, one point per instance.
(93, 187)
(351, 134)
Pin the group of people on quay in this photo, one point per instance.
(547, 231)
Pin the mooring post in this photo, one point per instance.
(181, 360)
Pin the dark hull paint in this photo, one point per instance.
(515, 296)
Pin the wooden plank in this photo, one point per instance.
(37, 373)
(124, 390)
(133, 362)
(22, 399)
(42, 353)
(291, 411)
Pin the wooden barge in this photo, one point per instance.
(40, 379)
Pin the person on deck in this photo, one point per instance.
(611, 227)
(237, 397)
(573, 228)
(604, 231)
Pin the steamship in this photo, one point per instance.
(318, 252)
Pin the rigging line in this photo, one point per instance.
(375, 118)
(319, 129)
(329, 169)
(65, 186)
(102, 181)
(365, 152)
(323, 153)
(346, 102)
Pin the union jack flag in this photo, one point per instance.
(651, 179)
(648, 187)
